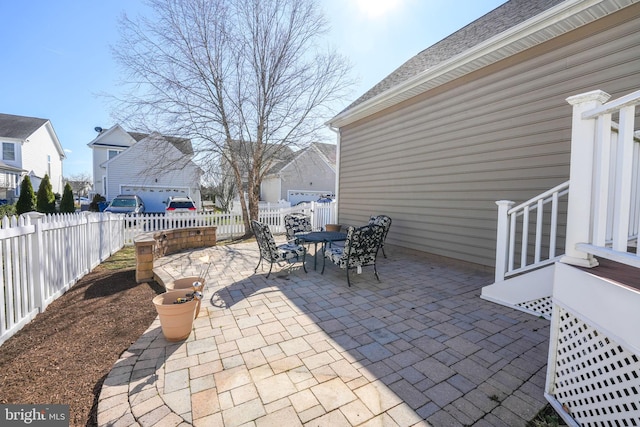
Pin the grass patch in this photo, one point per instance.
(123, 259)
(547, 417)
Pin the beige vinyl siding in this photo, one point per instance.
(438, 163)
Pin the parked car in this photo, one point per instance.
(126, 204)
(179, 205)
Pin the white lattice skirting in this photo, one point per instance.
(541, 306)
(596, 381)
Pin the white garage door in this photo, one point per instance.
(154, 196)
(296, 196)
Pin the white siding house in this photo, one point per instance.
(152, 166)
(31, 147)
(306, 177)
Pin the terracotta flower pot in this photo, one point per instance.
(333, 227)
(176, 320)
(187, 283)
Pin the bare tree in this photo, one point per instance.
(80, 183)
(246, 80)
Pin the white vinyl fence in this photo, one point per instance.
(230, 225)
(41, 256)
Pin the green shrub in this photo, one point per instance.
(66, 204)
(27, 200)
(46, 200)
(7, 210)
(93, 206)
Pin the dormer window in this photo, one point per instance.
(113, 153)
(8, 151)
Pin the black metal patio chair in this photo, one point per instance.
(385, 222)
(272, 253)
(360, 250)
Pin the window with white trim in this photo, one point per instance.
(8, 151)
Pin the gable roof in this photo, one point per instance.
(182, 144)
(509, 29)
(22, 127)
(19, 127)
(326, 151)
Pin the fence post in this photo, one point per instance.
(579, 209)
(38, 264)
(502, 238)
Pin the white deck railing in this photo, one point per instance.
(604, 206)
(527, 234)
(43, 256)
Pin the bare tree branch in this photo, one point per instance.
(248, 81)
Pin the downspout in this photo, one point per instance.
(337, 186)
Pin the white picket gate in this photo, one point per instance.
(41, 256)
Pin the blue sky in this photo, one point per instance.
(57, 54)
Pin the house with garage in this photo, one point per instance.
(152, 166)
(30, 147)
(514, 144)
(306, 176)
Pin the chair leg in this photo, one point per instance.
(348, 280)
(383, 253)
(375, 271)
(270, 267)
(257, 266)
(304, 261)
(324, 261)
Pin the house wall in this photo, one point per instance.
(153, 164)
(116, 139)
(309, 172)
(270, 190)
(40, 155)
(437, 163)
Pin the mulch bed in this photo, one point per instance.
(64, 355)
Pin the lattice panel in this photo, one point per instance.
(596, 380)
(542, 306)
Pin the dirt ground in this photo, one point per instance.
(65, 353)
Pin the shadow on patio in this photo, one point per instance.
(305, 349)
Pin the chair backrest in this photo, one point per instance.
(266, 242)
(382, 220)
(362, 245)
(296, 223)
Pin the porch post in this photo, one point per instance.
(502, 238)
(579, 209)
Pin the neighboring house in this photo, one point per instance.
(31, 147)
(478, 117)
(274, 154)
(152, 166)
(310, 175)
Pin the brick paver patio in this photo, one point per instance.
(418, 348)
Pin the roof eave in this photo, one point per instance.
(557, 20)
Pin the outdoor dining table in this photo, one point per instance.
(324, 237)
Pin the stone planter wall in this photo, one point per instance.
(153, 245)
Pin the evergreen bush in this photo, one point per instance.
(66, 204)
(45, 199)
(27, 200)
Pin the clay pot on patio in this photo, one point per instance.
(176, 320)
(187, 283)
(333, 227)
